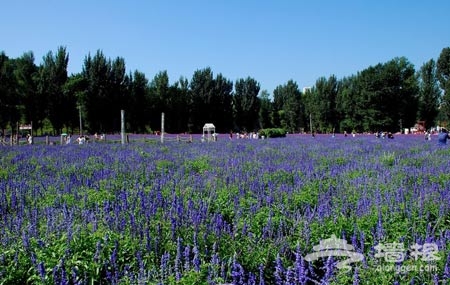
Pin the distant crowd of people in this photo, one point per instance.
(244, 135)
(442, 136)
(384, 135)
(83, 139)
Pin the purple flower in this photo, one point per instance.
(447, 268)
(237, 272)
(279, 271)
(41, 271)
(98, 250)
(329, 268)
(356, 279)
(436, 279)
(165, 270)
(178, 260)
(261, 275)
(299, 265)
(187, 258)
(196, 260)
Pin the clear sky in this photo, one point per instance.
(271, 41)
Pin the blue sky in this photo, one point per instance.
(271, 41)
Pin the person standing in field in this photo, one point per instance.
(443, 136)
(29, 139)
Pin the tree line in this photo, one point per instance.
(387, 96)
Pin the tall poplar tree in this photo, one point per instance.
(246, 104)
(429, 93)
(443, 75)
(52, 77)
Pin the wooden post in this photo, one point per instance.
(17, 134)
(81, 122)
(162, 127)
(31, 133)
(47, 142)
(122, 126)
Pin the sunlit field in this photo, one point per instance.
(241, 211)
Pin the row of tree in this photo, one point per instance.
(387, 96)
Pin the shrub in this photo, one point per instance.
(273, 133)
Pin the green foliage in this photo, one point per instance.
(388, 158)
(106, 81)
(386, 96)
(321, 104)
(265, 110)
(443, 68)
(246, 103)
(53, 77)
(199, 165)
(210, 100)
(266, 211)
(164, 166)
(272, 133)
(443, 75)
(381, 97)
(288, 105)
(429, 94)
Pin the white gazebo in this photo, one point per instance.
(209, 132)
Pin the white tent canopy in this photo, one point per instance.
(209, 132)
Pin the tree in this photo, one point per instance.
(95, 103)
(26, 79)
(429, 93)
(179, 94)
(381, 97)
(246, 103)
(118, 94)
(4, 91)
(443, 75)
(321, 104)
(159, 99)
(370, 104)
(265, 110)
(172, 100)
(288, 106)
(403, 82)
(349, 105)
(107, 92)
(385, 97)
(52, 77)
(9, 101)
(74, 92)
(210, 101)
(139, 101)
(220, 104)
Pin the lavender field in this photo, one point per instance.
(240, 211)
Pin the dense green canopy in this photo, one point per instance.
(386, 96)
